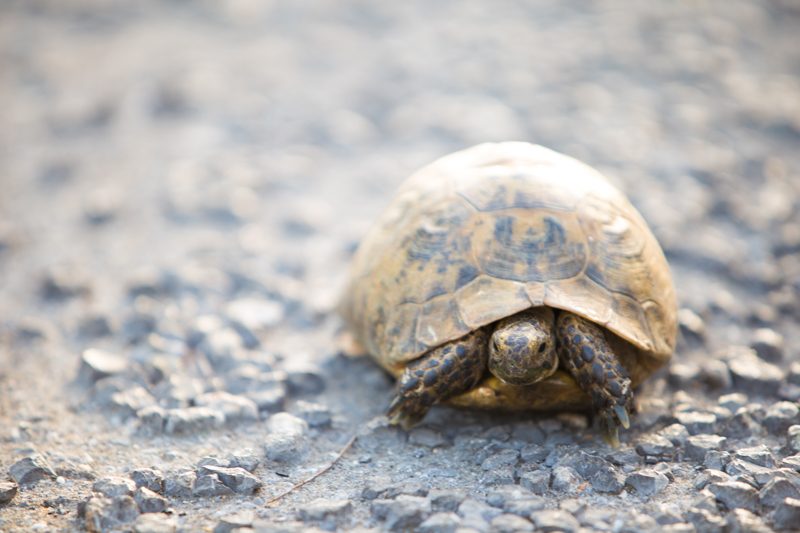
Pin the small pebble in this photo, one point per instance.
(331, 514)
(554, 520)
(235, 522)
(537, 481)
(706, 520)
(446, 499)
(7, 491)
(510, 523)
(104, 514)
(793, 434)
(744, 521)
(316, 415)
(710, 476)
(716, 459)
(691, 325)
(780, 416)
(286, 438)
(303, 379)
(192, 420)
(246, 458)
(209, 485)
(508, 457)
(148, 478)
(753, 374)
(233, 407)
(735, 495)
(114, 486)
(97, 364)
(149, 501)
(698, 445)
(758, 455)
(180, 485)
(30, 470)
(787, 514)
(776, 490)
(428, 437)
(675, 433)
(697, 423)
(656, 446)
(749, 472)
(565, 479)
(155, 523)
(647, 482)
(237, 479)
(441, 522)
(733, 401)
(476, 514)
(792, 462)
(768, 345)
(403, 513)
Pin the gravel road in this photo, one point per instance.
(182, 185)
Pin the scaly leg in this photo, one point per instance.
(442, 373)
(585, 352)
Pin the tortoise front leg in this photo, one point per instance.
(442, 373)
(586, 353)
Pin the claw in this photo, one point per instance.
(611, 435)
(622, 416)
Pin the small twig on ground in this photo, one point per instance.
(316, 474)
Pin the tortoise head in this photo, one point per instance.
(522, 350)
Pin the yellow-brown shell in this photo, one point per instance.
(486, 232)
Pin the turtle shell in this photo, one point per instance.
(486, 232)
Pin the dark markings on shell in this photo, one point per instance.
(466, 274)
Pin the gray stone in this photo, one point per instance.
(758, 455)
(148, 478)
(753, 374)
(792, 462)
(180, 484)
(403, 513)
(193, 420)
(749, 472)
(526, 506)
(151, 421)
(237, 479)
(697, 423)
(508, 457)
(715, 374)
(705, 520)
(303, 378)
(675, 433)
(733, 401)
(528, 432)
(537, 481)
(330, 513)
(655, 446)
(446, 499)
(441, 522)
(710, 476)
(787, 514)
(7, 491)
(235, 522)
(102, 513)
(255, 314)
(691, 325)
(647, 482)
(510, 523)
(768, 345)
(209, 485)
(716, 459)
(793, 434)
(30, 470)
(286, 440)
(741, 425)
(476, 514)
(130, 401)
(735, 495)
(316, 415)
(683, 375)
(155, 523)
(97, 364)
(744, 521)
(554, 520)
(270, 400)
(234, 408)
(780, 416)
(149, 501)
(534, 453)
(776, 490)
(246, 459)
(502, 475)
(698, 445)
(114, 486)
(565, 479)
(502, 496)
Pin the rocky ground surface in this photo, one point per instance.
(183, 184)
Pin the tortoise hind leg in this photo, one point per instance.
(442, 373)
(586, 353)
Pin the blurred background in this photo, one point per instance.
(244, 146)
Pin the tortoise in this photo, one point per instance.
(510, 276)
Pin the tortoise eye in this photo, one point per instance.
(542, 347)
